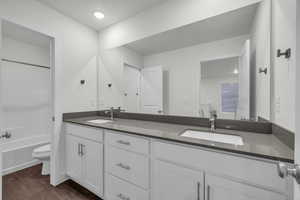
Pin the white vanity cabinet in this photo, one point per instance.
(218, 188)
(180, 172)
(133, 167)
(177, 183)
(127, 167)
(84, 157)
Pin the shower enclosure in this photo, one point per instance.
(25, 95)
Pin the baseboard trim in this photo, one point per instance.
(60, 180)
(20, 167)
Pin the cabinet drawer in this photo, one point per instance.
(127, 142)
(117, 189)
(129, 166)
(95, 134)
(243, 169)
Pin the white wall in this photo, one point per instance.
(78, 49)
(25, 52)
(297, 99)
(25, 90)
(166, 16)
(111, 71)
(283, 37)
(182, 67)
(260, 58)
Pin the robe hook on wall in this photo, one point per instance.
(286, 54)
(263, 70)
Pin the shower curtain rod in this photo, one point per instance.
(24, 63)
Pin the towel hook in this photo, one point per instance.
(286, 54)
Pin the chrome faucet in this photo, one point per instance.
(121, 110)
(111, 112)
(6, 135)
(212, 122)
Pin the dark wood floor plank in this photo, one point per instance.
(29, 184)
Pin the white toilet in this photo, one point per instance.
(42, 153)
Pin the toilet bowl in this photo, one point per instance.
(42, 153)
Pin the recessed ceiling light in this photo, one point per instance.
(236, 71)
(99, 15)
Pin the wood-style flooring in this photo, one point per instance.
(29, 184)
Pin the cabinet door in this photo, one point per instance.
(177, 183)
(73, 157)
(93, 166)
(217, 188)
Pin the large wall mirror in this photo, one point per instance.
(219, 66)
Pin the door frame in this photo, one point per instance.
(139, 86)
(57, 171)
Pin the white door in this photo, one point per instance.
(92, 162)
(243, 110)
(132, 77)
(152, 90)
(172, 182)
(217, 188)
(73, 157)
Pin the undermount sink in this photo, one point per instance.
(99, 121)
(215, 137)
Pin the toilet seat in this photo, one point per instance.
(45, 148)
(42, 152)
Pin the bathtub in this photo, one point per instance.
(17, 153)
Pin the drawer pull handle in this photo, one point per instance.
(78, 148)
(208, 192)
(123, 197)
(123, 166)
(198, 190)
(123, 142)
(82, 149)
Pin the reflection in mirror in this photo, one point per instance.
(219, 88)
(202, 69)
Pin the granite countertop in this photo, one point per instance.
(265, 146)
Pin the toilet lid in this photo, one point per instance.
(45, 148)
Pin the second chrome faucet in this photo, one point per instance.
(212, 122)
(111, 111)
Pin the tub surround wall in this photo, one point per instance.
(26, 92)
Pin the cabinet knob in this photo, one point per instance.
(285, 171)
